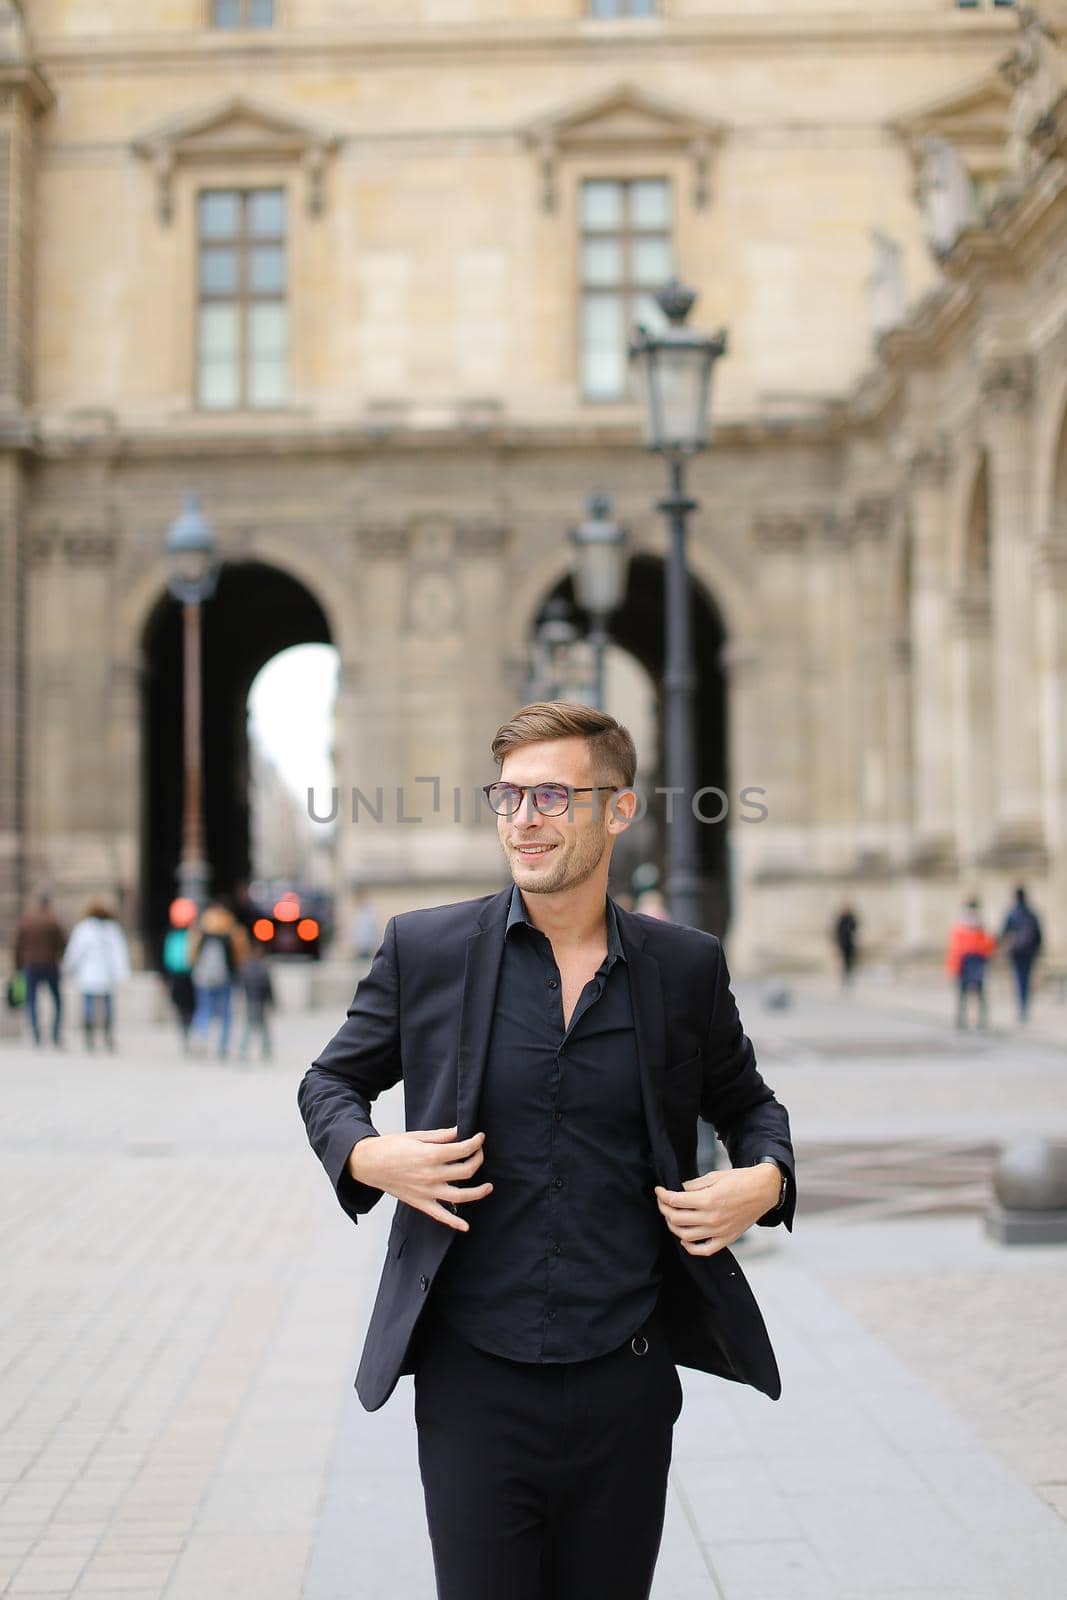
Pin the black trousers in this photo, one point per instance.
(544, 1482)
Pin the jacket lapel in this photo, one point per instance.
(650, 1033)
(485, 951)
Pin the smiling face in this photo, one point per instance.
(550, 854)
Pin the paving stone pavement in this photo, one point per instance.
(184, 1307)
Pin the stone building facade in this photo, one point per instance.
(359, 272)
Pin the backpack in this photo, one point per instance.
(212, 969)
(176, 950)
(1026, 934)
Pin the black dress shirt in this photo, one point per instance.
(562, 1259)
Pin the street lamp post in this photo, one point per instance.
(676, 367)
(192, 554)
(553, 639)
(599, 577)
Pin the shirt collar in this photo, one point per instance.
(517, 914)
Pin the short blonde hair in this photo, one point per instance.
(611, 749)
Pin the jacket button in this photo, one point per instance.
(424, 1282)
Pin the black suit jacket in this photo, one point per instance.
(424, 1012)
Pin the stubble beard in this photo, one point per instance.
(572, 868)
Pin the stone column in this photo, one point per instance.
(933, 844)
(24, 95)
(13, 885)
(870, 671)
(1007, 390)
(1051, 584)
(830, 631)
(971, 654)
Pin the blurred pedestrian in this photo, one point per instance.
(1021, 936)
(217, 949)
(178, 965)
(39, 944)
(98, 960)
(845, 930)
(969, 950)
(258, 990)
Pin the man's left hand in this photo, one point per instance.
(709, 1213)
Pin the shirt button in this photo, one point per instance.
(551, 1316)
(424, 1282)
(557, 1183)
(557, 1116)
(553, 983)
(557, 1249)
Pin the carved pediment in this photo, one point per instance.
(234, 131)
(623, 119)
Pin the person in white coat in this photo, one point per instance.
(97, 959)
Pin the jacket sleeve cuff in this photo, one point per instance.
(356, 1198)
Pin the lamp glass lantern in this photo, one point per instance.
(192, 552)
(675, 367)
(600, 547)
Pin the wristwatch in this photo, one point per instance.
(784, 1176)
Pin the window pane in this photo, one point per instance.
(218, 333)
(219, 214)
(603, 374)
(261, 13)
(652, 261)
(218, 271)
(267, 269)
(218, 388)
(266, 213)
(604, 8)
(642, 8)
(650, 203)
(226, 13)
(267, 383)
(603, 346)
(268, 332)
(601, 204)
(602, 261)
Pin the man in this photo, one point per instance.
(40, 941)
(1022, 937)
(553, 1254)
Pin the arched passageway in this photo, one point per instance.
(256, 612)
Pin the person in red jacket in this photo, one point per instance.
(969, 949)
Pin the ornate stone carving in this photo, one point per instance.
(1008, 384)
(926, 460)
(873, 516)
(477, 536)
(946, 194)
(433, 602)
(623, 118)
(779, 530)
(886, 284)
(232, 130)
(76, 547)
(383, 539)
(1035, 73)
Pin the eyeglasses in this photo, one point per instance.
(550, 799)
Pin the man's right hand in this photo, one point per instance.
(422, 1169)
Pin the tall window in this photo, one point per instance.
(626, 255)
(243, 333)
(622, 8)
(976, 5)
(242, 13)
